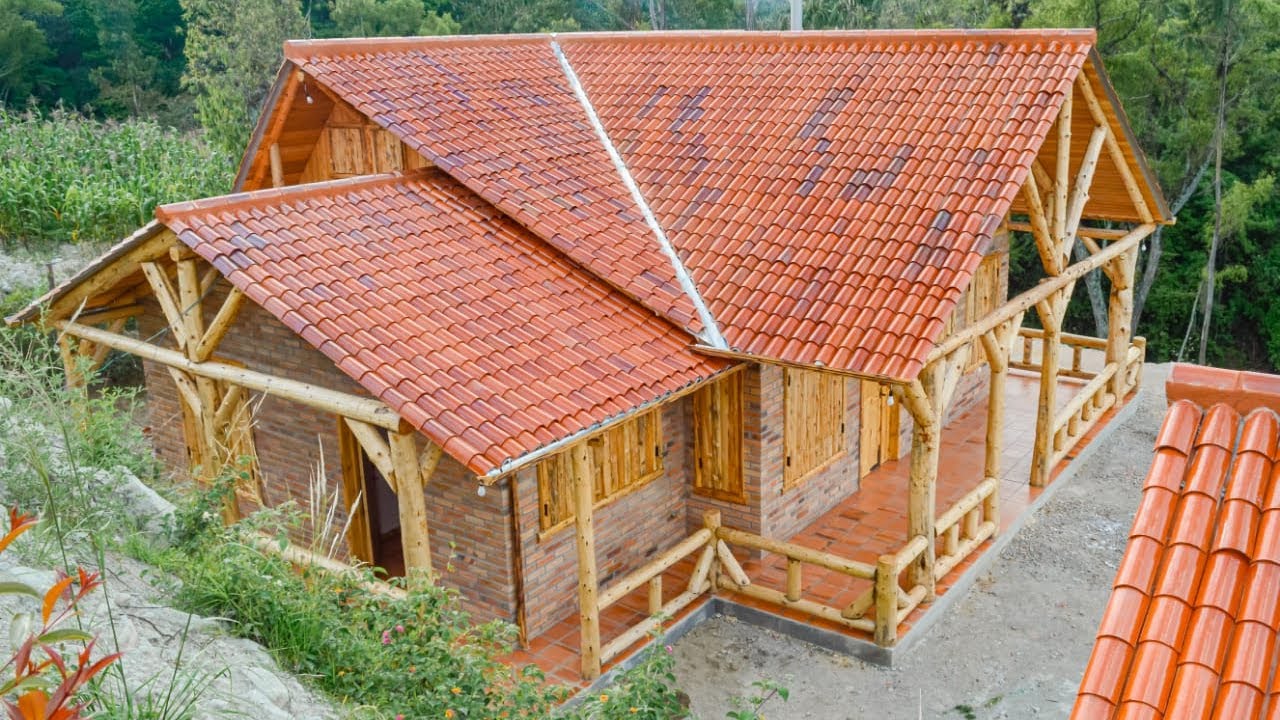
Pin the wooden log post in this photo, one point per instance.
(1051, 311)
(886, 599)
(1120, 320)
(411, 501)
(926, 439)
(588, 581)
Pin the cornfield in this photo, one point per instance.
(68, 178)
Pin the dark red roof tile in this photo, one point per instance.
(479, 327)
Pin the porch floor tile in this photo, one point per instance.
(867, 524)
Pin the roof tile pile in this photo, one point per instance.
(479, 334)
(1191, 627)
(830, 193)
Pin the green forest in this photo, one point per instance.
(114, 106)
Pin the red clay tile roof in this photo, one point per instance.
(830, 193)
(476, 332)
(501, 118)
(1191, 628)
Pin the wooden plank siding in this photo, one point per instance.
(623, 458)
(813, 424)
(982, 298)
(717, 428)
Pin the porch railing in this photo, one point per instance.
(877, 611)
(966, 525)
(1029, 353)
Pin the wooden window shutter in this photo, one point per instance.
(717, 428)
(347, 151)
(813, 422)
(624, 457)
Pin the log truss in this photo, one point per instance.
(215, 394)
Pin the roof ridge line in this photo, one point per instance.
(710, 329)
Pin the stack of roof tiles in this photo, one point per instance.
(1191, 627)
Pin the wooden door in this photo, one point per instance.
(878, 440)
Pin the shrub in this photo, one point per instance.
(68, 178)
(416, 656)
(646, 691)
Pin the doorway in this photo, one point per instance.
(373, 534)
(878, 441)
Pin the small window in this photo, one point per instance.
(813, 425)
(717, 436)
(982, 299)
(623, 458)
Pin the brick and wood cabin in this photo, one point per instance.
(562, 311)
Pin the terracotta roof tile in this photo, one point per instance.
(485, 338)
(1191, 628)
(781, 167)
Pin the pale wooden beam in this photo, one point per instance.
(112, 274)
(1080, 193)
(187, 390)
(369, 410)
(169, 303)
(1085, 232)
(1039, 226)
(1120, 319)
(1035, 295)
(429, 459)
(588, 579)
(1063, 169)
(922, 485)
(277, 167)
(230, 401)
(412, 503)
(1114, 151)
(378, 451)
(219, 326)
(1051, 313)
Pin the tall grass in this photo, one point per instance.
(68, 178)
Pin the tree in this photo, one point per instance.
(233, 50)
(23, 46)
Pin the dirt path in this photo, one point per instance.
(1015, 647)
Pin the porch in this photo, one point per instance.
(826, 575)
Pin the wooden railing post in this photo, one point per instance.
(1051, 311)
(1120, 319)
(922, 487)
(588, 581)
(886, 597)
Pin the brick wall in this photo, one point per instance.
(471, 536)
(628, 530)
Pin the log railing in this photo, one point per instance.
(966, 525)
(651, 574)
(1029, 354)
(890, 603)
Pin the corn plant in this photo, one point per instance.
(68, 178)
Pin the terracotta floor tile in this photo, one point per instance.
(869, 522)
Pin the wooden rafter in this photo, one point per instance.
(169, 303)
(1114, 151)
(219, 326)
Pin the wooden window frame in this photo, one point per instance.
(708, 424)
(793, 474)
(607, 489)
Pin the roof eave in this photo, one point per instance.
(1163, 214)
(269, 110)
(33, 311)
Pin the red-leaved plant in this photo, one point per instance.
(44, 686)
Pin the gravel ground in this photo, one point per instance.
(1014, 647)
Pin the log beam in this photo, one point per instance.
(369, 410)
(1120, 319)
(412, 504)
(1114, 150)
(588, 579)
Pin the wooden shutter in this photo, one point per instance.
(346, 151)
(623, 458)
(813, 422)
(388, 154)
(359, 540)
(717, 428)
